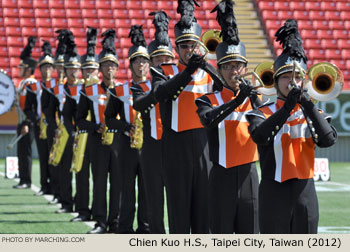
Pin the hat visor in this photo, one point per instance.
(161, 53)
(285, 69)
(233, 58)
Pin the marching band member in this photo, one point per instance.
(184, 142)
(160, 51)
(89, 66)
(72, 93)
(120, 103)
(233, 180)
(103, 157)
(25, 126)
(287, 133)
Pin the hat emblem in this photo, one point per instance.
(188, 30)
(232, 49)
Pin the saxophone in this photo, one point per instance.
(43, 127)
(59, 144)
(79, 146)
(107, 137)
(136, 139)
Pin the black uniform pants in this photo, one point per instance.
(151, 165)
(43, 151)
(82, 195)
(290, 207)
(233, 199)
(24, 153)
(186, 166)
(129, 162)
(104, 160)
(54, 172)
(65, 176)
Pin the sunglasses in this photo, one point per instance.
(187, 46)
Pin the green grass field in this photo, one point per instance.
(23, 213)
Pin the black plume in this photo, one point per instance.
(61, 47)
(46, 48)
(137, 36)
(288, 35)
(186, 9)
(91, 41)
(161, 23)
(227, 20)
(27, 51)
(108, 41)
(71, 46)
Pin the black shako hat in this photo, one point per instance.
(90, 59)
(26, 54)
(289, 37)
(108, 52)
(61, 47)
(71, 56)
(187, 28)
(47, 57)
(161, 45)
(231, 48)
(139, 47)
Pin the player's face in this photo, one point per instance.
(284, 80)
(184, 49)
(231, 69)
(89, 72)
(157, 60)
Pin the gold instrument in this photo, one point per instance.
(107, 137)
(13, 141)
(59, 144)
(43, 127)
(136, 139)
(211, 39)
(325, 81)
(79, 147)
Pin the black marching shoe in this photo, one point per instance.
(80, 218)
(21, 186)
(98, 229)
(64, 210)
(54, 201)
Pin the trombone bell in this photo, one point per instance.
(265, 72)
(325, 81)
(211, 39)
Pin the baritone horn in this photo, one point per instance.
(211, 39)
(324, 82)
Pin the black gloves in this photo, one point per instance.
(292, 98)
(245, 91)
(305, 100)
(195, 62)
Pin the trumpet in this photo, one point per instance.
(43, 127)
(13, 141)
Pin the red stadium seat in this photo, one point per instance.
(150, 5)
(3, 42)
(58, 13)
(213, 24)
(325, 34)
(269, 15)
(266, 5)
(320, 24)
(281, 5)
(316, 54)
(15, 41)
(336, 25)
(304, 24)
(73, 13)
(103, 4)
(347, 24)
(43, 22)
(29, 31)
(119, 5)
(308, 34)
(27, 22)
(11, 21)
(315, 6)
(139, 14)
(42, 4)
(343, 6)
(59, 4)
(42, 13)
(72, 4)
(10, 3)
(80, 42)
(313, 44)
(78, 32)
(345, 53)
(317, 15)
(52, 41)
(4, 62)
(10, 12)
(132, 4)
(107, 23)
(166, 5)
(339, 63)
(14, 62)
(273, 24)
(45, 32)
(301, 15)
(4, 52)
(122, 32)
(25, 4)
(59, 23)
(23, 12)
(344, 44)
(344, 15)
(297, 5)
(123, 23)
(13, 31)
(329, 43)
(1, 22)
(327, 5)
(120, 14)
(105, 13)
(333, 54)
(347, 63)
(92, 22)
(89, 13)
(75, 22)
(125, 43)
(208, 5)
(87, 4)
(333, 15)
